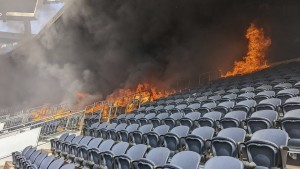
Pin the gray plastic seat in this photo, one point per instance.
(233, 119)
(74, 147)
(228, 97)
(104, 131)
(123, 135)
(172, 138)
(207, 107)
(67, 145)
(247, 89)
(68, 166)
(197, 139)
(21, 159)
(264, 95)
(108, 156)
(87, 130)
(189, 119)
(245, 96)
(234, 90)
(61, 138)
(184, 160)
(191, 108)
(282, 86)
(31, 159)
(223, 162)
(113, 133)
(290, 123)
(97, 132)
(155, 138)
(137, 137)
(59, 143)
(56, 164)
(291, 104)
(285, 94)
(134, 153)
(224, 107)
(246, 106)
(156, 157)
(146, 119)
(156, 121)
(264, 147)
(269, 104)
(172, 121)
(37, 162)
(166, 109)
(84, 150)
(227, 141)
(94, 154)
(46, 162)
(136, 118)
(259, 120)
(263, 88)
(209, 119)
(16, 155)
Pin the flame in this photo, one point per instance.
(46, 111)
(128, 99)
(255, 59)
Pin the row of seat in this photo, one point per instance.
(201, 141)
(31, 158)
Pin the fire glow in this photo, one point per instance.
(255, 58)
(129, 99)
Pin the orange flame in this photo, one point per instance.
(255, 59)
(129, 99)
(45, 111)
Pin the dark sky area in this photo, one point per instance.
(98, 46)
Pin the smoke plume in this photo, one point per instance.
(98, 46)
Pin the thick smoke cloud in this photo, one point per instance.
(98, 46)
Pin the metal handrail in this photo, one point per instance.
(44, 120)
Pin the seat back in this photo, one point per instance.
(47, 161)
(186, 160)
(56, 164)
(223, 162)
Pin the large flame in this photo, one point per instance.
(129, 99)
(256, 57)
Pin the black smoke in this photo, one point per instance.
(98, 46)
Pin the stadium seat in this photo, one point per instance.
(156, 121)
(183, 160)
(123, 135)
(190, 119)
(155, 138)
(134, 153)
(264, 147)
(172, 121)
(137, 137)
(196, 141)
(223, 162)
(113, 133)
(262, 119)
(54, 140)
(67, 145)
(103, 133)
(94, 155)
(59, 143)
(37, 162)
(291, 124)
(172, 138)
(74, 147)
(146, 119)
(269, 104)
(227, 141)
(84, 150)
(210, 119)
(233, 119)
(291, 104)
(108, 156)
(155, 157)
(224, 107)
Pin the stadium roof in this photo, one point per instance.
(13, 30)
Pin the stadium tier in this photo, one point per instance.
(249, 121)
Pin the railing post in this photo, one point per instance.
(109, 112)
